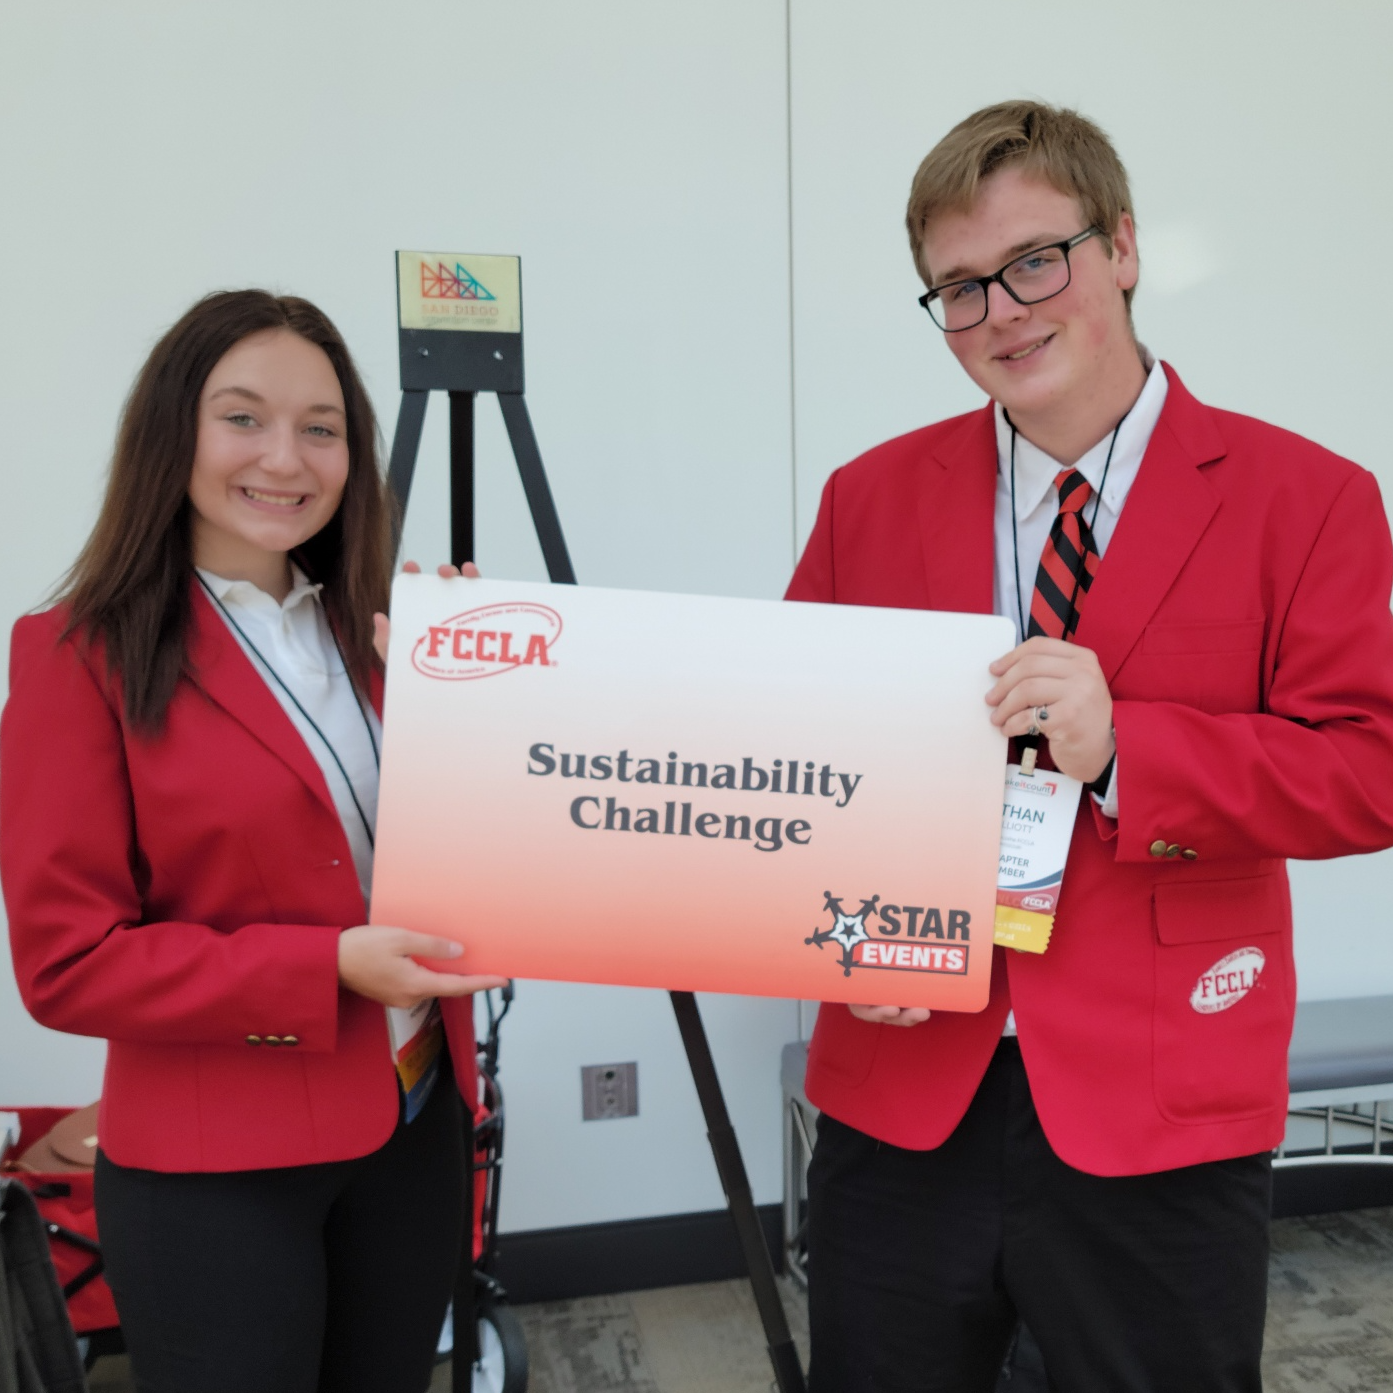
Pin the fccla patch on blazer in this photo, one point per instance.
(1228, 981)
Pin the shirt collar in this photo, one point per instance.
(243, 592)
(1036, 471)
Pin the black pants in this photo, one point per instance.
(921, 1262)
(309, 1279)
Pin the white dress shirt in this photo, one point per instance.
(293, 639)
(1037, 499)
(1037, 505)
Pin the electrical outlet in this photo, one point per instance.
(608, 1090)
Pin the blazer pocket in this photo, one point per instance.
(1205, 911)
(1223, 636)
(1224, 998)
(1212, 667)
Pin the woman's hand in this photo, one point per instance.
(379, 963)
(891, 1015)
(382, 626)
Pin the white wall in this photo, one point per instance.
(636, 154)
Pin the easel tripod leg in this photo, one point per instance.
(783, 1354)
(406, 442)
(538, 491)
(461, 478)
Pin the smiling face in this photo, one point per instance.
(1052, 360)
(271, 460)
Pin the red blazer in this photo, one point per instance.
(181, 895)
(1241, 616)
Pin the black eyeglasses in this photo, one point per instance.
(1036, 276)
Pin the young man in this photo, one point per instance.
(1207, 644)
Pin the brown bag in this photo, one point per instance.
(70, 1145)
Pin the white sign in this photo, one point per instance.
(691, 792)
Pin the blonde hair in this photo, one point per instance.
(1061, 147)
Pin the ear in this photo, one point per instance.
(1124, 253)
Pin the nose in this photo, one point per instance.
(1001, 308)
(282, 455)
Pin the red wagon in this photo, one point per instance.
(59, 1176)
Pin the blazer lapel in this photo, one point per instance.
(225, 674)
(1167, 511)
(956, 503)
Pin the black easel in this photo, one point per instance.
(465, 363)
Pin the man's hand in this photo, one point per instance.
(382, 626)
(1067, 681)
(380, 963)
(891, 1015)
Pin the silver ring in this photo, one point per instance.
(1042, 714)
(1032, 729)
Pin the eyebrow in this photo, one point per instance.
(964, 273)
(323, 408)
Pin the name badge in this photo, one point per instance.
(1037, 823)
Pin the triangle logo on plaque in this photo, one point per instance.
(441, 283)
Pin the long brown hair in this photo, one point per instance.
(130, 587)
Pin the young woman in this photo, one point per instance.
(188, 786)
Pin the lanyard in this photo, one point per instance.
(1097, 503)
(313, 724)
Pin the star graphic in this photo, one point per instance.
(849, 930)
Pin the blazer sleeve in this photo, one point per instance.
(814, 576)
(1311, 776)
(85, 960)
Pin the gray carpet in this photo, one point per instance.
(1329, 1326)
(1330, 1304)
(697, 1339)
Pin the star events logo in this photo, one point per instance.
(487, 641)
(879, 945)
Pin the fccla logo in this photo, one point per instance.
(486, 641)
(1228, 981)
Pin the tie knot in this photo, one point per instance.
(1074, 490)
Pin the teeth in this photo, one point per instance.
(1011, 357)
(277, 500)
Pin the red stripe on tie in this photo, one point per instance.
(1061, 581)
